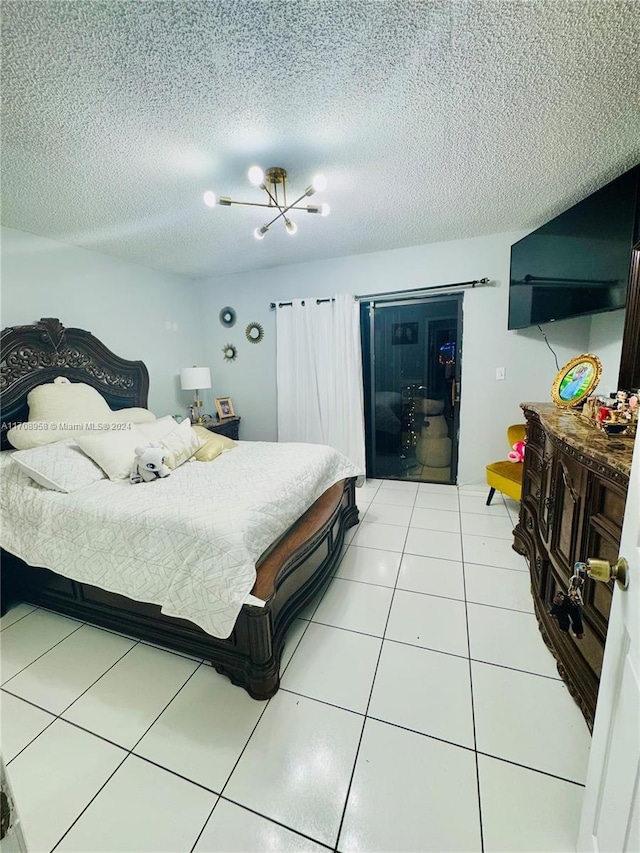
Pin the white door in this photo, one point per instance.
(610, 820)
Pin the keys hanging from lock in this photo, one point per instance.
(576, 582)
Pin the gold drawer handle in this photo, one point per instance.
(602, 570)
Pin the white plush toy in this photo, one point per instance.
(148, 464)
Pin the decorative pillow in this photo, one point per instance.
(158, 429)
(213, 446)
(180, 445)
(135, 415)
(32, 434)
(113, 450)
(62, 467)
(62, 400)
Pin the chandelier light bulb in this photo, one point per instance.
(319, 183)
(256, 176)
(260, 232)
(209, 198)
(290, 226)
(325, 209)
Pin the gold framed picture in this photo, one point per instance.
(576, 380)
(224, 407)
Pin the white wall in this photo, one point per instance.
(605, 341)
(488, 406)
(137, 312)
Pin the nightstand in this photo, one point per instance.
(229, 427)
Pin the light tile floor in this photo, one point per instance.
(419, 711)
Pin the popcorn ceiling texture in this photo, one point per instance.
(431, 120)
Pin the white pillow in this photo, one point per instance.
(133, 416)
(40, 433)
(62, 467)
(113, 450)
(62, 400)
(180, 445)
(158, 429)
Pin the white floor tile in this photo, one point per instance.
(203, 731)
(526, 812)
(432, 576)
(334, 666)
(55, 777)
(436, 519)
(433, 543)
(492, 552)
(386, 537)
(394, 497)
(495, 526)
(293, 637)
(438, 500)
(18, 611)
(31, 637)
(478, 504)
(475, 489)
(21, 723)
(355, 606)
(351, 532)
(512, 506)
(411, 793)
(529, 720)
(142, 808)
(499, 587)
(369, 565)
(426, 691)
(60, 676)
(297, 765)
(509, 638)
(366, 493)
(126, 700)
(433, 623)
(398, 486)
(437, 488)
(232, 829)
(379, 513)
(363, 506)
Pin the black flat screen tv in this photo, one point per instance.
(578, 263)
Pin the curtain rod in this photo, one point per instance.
(399, 293)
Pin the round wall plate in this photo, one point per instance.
(254, 333)
(227, 317)
(230, 352)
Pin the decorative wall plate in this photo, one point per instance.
(254, 333)
(229, 352)
(227, 317)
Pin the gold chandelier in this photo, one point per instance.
(274, 183)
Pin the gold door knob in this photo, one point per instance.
(602, 570)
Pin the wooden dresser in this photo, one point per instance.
(574, 490)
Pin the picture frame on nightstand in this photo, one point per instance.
(224, 407)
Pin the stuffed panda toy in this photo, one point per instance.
(148, 464)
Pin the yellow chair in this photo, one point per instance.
(506, 476)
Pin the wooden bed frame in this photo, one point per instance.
(289, 574)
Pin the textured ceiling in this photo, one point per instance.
(431, 120)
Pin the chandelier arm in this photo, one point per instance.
(251, 204)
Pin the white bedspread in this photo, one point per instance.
(188, 542)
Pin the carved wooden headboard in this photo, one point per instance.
(33, 355)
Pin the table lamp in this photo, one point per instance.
(195, 379)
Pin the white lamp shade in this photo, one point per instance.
(195, 378)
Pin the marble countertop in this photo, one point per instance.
(569, 425)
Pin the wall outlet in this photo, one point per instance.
(501, 373)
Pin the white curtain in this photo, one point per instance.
(319, 375)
